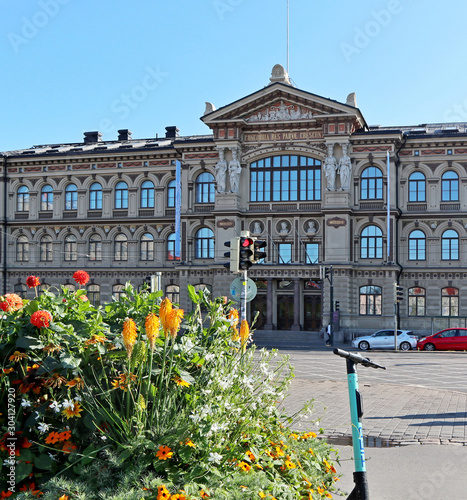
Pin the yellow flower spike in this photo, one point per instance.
(165, 310)
(152, 325)
(244, 333)
(174, 318)
(129, 335)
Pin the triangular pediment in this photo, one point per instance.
(282, 103)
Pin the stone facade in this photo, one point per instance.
(302, 172)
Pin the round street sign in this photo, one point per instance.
(236, 289)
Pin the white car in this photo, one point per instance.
(384, 339)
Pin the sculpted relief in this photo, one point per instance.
(282, 111)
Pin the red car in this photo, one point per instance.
(451, 339)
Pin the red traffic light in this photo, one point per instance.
(246, 242)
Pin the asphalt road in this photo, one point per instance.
(434, 370)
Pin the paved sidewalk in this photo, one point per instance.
(415, 437)
(393, 414)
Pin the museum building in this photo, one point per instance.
(302, 172)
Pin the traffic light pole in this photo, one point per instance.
(243, 296)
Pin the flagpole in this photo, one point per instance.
(288, 37)
(389, 207)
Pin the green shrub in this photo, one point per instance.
(105, 403)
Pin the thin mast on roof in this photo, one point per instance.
(288, 72)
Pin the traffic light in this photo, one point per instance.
(336, 308)
(245, 253)
(233, 255)
(258, 254)
(398, 292)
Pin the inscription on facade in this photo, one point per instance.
(336, 222)
(283, 136)
(225, 223)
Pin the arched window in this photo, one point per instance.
(22, 249)
(370, 300)
(117, 292)
(93, 293)
(147, 194)
(205, 188)
(47, 198)
(147, 247)
(71, 197)
(371, 184)
(204, 244)
(21, 289)
(71, 248)
(450, 186)
(417, 187)
(95, 247)
(172, 292)
(450, 245)
(171, 247)
(417, 245)
(121, 195)
(70, 287)
(417, 301)
(22, 199)
(285, 178)
(45, 247)
(121, 247)
(95, 196)
(371, 243)
(171, 194)
(449, 301)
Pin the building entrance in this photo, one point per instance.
(285, 312)
(259, 305)
(312, 312)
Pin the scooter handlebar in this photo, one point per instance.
(357, 358)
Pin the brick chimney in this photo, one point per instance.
(171, 132)
(124, 135)
(91, 137)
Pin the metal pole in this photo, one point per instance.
(331, 307)
(243, 296)
(395, 316)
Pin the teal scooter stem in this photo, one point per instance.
(360, 491)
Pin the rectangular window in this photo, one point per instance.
(311, 253)
(285, 253)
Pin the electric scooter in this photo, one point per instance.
(360, 491)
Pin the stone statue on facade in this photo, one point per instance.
(221, 172)
(234, 171)
(345, 168)
(257, 229)
(311, 227)
(330, 168)
(284, 228)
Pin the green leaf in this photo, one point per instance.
(193, 296)
(22, 471)
(69, 361)
(43, 462)
(49, 365)
(124, 455)
(29, 343)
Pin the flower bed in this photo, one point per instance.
(140, 400)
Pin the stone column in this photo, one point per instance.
(296, 305)
(269, 305)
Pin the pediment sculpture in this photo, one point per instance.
(280, 112)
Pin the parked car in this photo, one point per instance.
(451, 339)
(385, 339)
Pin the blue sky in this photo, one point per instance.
(70, 66)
